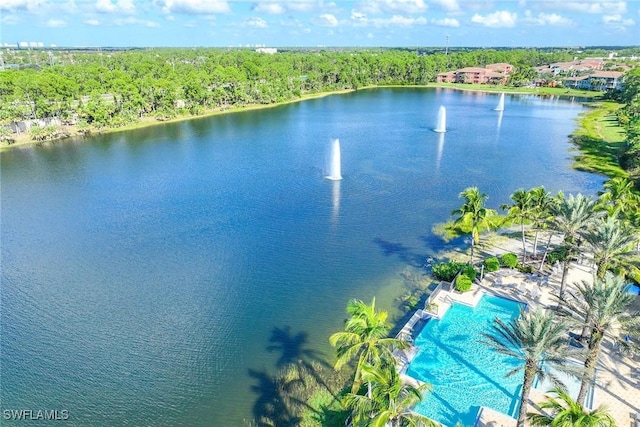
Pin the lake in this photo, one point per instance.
(144, 273)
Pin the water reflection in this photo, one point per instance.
(335, 201)
(440, 148)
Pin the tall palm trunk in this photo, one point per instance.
(535, 244)
(524, 243)
(546, 251)
(590, 365)
(565, 271)
(473, 248)
(529, 375)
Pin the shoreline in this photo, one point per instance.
(24, 139)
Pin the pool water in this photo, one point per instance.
(633, 289)
(464, 373)
(571, 383)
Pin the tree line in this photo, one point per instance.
(118, 88)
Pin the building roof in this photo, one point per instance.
(576, 79)
(607, 74)
(471, 70)
(491, 74)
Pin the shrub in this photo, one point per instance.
(463, 283)
(446, 270)
(559, 254)
(491, 264)
(509, 260)
(527, 269)
(470, 272)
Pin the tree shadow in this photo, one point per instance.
(309, 362)
(402, 251)
(302, 373)
(271, 408)
(292, 347)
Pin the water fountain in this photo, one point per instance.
(334, 161)
(500, 106)
(442, 120)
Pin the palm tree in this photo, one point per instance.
(549, 224)
(618, 196)
(364, 340)
(473, 215)
(571, 216)
(534, 339)
(601, 309)
(522, 210)
(542, 202)
(612, 243)
(566, 412)
(390, 403)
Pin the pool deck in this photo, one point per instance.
(618, 378)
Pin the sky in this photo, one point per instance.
(311, 23)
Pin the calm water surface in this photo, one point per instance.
(144, 273)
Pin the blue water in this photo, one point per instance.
(571, 383)
(161, 276)
(634, 290)
(465, 374)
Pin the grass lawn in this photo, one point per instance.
(543, 91)
(601, 141)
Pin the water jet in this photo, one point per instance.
(334, 166)
(500, 106)
(442, 120)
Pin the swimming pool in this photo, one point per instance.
(633, 289)
(465, 374)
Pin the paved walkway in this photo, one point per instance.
(618, 376)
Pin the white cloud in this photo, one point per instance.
(393, 6)
(617, 21)
(593, 7)
(27, 5)
(359, 19)
(302, 5)
(446, 22)
(270, 8)
(398, 21)
(193, 6)
(120, 6)
(546, 19)
(256, 23)
(9, 19)
(448, 5)
(358, 16)
(56, 23)
(93, 22)
(327, 20)
(404, 21)
(501, 18)
(280, 7)
(134, 21)
(68, 7)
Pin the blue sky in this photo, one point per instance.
(273, 23)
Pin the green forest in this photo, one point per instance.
(116, 88)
